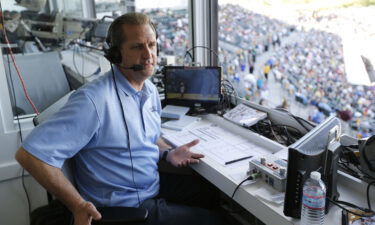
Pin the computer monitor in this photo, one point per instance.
(312, 153)
(189, 86)
(101, 29)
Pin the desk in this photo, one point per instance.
(219, 175)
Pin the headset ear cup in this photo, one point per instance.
(113, 55)
(116, 55)
(107, 55)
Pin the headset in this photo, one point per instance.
(112, 51)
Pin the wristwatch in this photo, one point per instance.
(165, 154)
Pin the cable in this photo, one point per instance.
(251, 177)
(266, 128)
(306, 121)
(229, 84)
(351, 159)
(83, 58)
(77, 50)
(364, 173)
(191, 56)
(238, 186)
(87, 46)
(228, 91)
(337, 203)
(200, 46)
(21, 136)
(26, 193)
(348, 169)
(75, 65)
(298, 119)
(127, 133)
(17, 116)
(274, 134)
(289, 127)
(287, 135)
(83, 67)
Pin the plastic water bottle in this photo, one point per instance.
(313, 200)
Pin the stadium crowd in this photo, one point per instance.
(311, 69)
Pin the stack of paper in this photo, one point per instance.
(174, 112)
(180, 124)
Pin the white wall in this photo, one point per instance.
(13, 203)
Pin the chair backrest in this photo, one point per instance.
(68, 166)
(48, 112)
(44, 78)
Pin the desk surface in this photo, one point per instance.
(269, 213)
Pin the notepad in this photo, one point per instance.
(180, 124)
(174, 112)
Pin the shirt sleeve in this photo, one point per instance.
(66, 132)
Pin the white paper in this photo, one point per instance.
(217, 143)
(181, 123)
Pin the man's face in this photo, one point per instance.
(139, 48)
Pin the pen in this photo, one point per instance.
(237, 160)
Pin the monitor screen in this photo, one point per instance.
(101, 29)
(190, 85)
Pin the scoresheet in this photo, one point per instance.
(217, 143)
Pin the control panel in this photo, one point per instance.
(272, 171)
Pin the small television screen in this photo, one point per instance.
(191, 85)
(101, 29)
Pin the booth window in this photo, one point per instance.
(73, 8)
(171, 20)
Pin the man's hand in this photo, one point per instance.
(182, 156)
(84, 213)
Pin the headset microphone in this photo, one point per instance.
(135, 67)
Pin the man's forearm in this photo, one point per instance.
(51, 178)
(163, 146)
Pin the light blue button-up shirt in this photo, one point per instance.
(91, 128)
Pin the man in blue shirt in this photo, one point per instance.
(112, 129)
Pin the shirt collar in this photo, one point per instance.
(125, 86)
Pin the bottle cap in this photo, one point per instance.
(315, 175)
